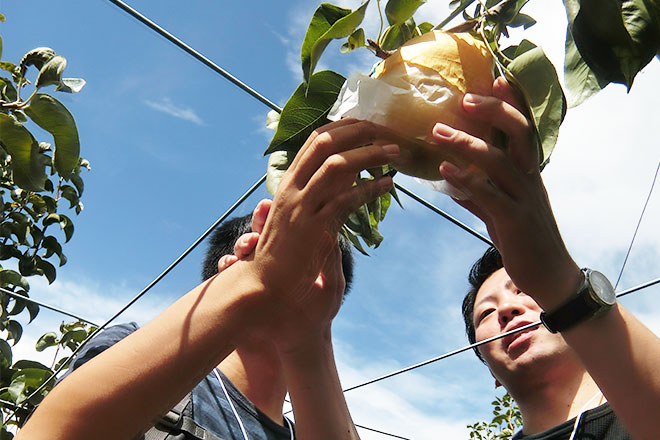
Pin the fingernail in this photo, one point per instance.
(391, 150)
(443, 131)
(449, 168)
(473, 99)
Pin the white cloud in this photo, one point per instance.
(87, 299)
(394, 406)
(167, 106)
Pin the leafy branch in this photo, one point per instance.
(607, 41)
(35, 178)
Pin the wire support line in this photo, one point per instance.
(161, 31)
(227, 213)
(639, 287)
(439, 211)
(485, 341)
(44, 305)
(381, 432)
(639, 222)
(195, 54)
(444, 356)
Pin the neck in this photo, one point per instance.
(555, 401)
(258, 375)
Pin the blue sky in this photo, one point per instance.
(172, 145)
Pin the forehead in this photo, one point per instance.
(496, 283)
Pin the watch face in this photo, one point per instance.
(602, 288)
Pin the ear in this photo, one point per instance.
(497, 382)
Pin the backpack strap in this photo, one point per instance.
(178, 421)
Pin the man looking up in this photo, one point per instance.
(552, 376)
(276, 305)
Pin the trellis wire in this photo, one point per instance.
(44, 305)
(485, 341)
(440, 212)
(249, 192)
(273, 106)
(639, 222)
(197, 55)
(381, 432)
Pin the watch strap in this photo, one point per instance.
(576, 310)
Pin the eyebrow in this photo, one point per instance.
(490, 296)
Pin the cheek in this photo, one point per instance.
(485, 330)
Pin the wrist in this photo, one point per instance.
(301, 347)
(561, 287)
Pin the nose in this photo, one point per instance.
(508, 311)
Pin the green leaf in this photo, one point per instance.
(20, 116)
(70, 85)
(5, 354)
(68, 192)
(616, 38)
(353, 238)
(78, 183)
(52, 246)
(33, 310)
(396, 35)
(537, 77)
(11, 68)
(7, 90)
(19, 304)
(27, 163)
(51, 72)
(14, 331)
(49, 114)
(26, 381)
(48, 269)
(399, 11)
(305, 112)
(36, 57)
(581, 82)
(73, 338)
(24, 363)
(425, 27)
(51, 219)
(10, 277)
(329, 22)
(355, 40)
(46, 340)
(67, 226)
(64, 361)
(523, 20)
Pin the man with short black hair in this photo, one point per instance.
(263, 323)
(590, 349)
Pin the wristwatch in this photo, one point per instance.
(595, 296)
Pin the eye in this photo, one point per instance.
(484, 314)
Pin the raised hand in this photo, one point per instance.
(504, 189)
(297, 257)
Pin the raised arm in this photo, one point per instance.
(508, 194)
(119, 393)
(306, 353)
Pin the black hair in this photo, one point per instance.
(223, 238)
(484, 267)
